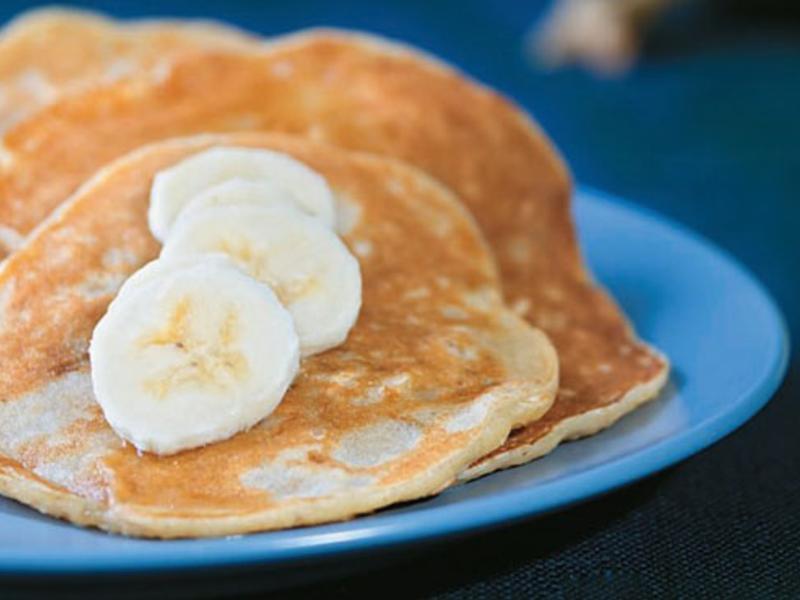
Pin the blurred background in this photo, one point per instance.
(691, 108)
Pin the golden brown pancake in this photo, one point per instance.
(363, 93)
(45, 53)
(434, 374)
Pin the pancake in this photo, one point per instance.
(48, 52)
(435, 373)
(365, 93)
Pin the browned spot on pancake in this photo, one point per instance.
(316, 457)
(68, 364)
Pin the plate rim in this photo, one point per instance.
(475, 513)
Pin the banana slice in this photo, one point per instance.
(243, 192)
(192, 357)
(312, 272)
(173, 188)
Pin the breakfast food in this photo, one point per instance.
(364, 93)
(46, 53)
(175, 187)
(194, 356)
(434, 374)
(311, 271)
(50, 52)
(203, 342)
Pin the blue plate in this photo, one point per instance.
(729, 349)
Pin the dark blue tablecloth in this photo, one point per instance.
(704, 130)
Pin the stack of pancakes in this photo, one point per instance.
(483, 341)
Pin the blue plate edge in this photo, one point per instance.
(480, 513)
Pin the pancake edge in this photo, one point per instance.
(197, 26)
(513, 405)
(574, 428)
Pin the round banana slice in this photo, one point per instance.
(236, 192)
(192, 357)
(310, 269)
(174, 187)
